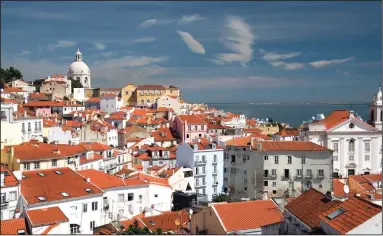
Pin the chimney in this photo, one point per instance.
(2, 180)
(352, 114)
(87, 180)
(328, 196)
(195, 147)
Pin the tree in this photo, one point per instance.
(135, 229)
(220, 198)
(8, 75)
(76, 84)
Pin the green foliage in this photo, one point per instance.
(76, 84)
(220, 198)
(66, 98)
(134, 229)
(45, 140)
(8, 75)
(37, 83)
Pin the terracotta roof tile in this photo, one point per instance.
(101, 179)
(12, 226)
(13, 90)
(94, 100)
(309, 206)
(290, 146)
(166, 220)
(256, 214)
(9, 178)
(53, 184)
(373, 177)
(356, 212)
(150, 179)
(162, 134)
(192, 119)
(288, 132)
(46, 216)
(336, 117)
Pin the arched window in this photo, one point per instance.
(351, 145)
(142, 101)
(77, 78)
(85, 80)
(148, 101)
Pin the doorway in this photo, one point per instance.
(350, 172)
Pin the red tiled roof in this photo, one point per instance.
(239, 142)
(9, 179)
(338, 188)
(166, 220)
(252, 130)
(309, 206)
(290, 146)
(12, 226)
(8, 100)
(373, 177)
(150, 179)
(46, 216)
(13, 90)
(204, 145)
(357, 211)
(44, 104)
(162, 134)
(138, 166)
(150, 87)
(255, 214)
(260, 135)
(101, 179)
(192, 119)
(336, 117)
(38, 95)
(139, 112)
(53, 184)
(96, 157)
(94, 100)
(109, 95)
(288, 132)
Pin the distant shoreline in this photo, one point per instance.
(289, 103)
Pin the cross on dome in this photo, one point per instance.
(78, 55)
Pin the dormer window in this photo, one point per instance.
(41, 174)
(65, 194)
(58, 172)
(88, 190)
(41, 198)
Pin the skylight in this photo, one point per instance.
(336, 213)
(65, 194)
(88, 190)
(41, 198)
(41, 174)
(58, 172)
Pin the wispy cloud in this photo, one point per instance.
(191, 42)
(61, 44)
(272, 56)
(130, 61)
(143, 40)
(239, 39)
(99, 46)
(324, 63)
(287, 66)
(25, 52)
(152, 22)
(191, 18)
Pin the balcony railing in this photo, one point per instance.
(286, 176)
(4, 204)
(200, 174)
(270, 176)
(320, 176)
(309, 176)
(203, 162)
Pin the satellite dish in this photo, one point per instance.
(191, 211)
(346, 189)
(375, 184)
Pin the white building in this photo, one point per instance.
(235, 121)
(79, 94)
(110, 103)
(78, 70)
(357, 145)
(78, 199)
(57, 134)
(170, 102)
(60, 78)
(49, 220)
(206, 159)
(23, 85)
(10, 192)
(376, 114)
(181, 179)
(259, 169)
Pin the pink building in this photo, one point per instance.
(41, 108)
(190, 127)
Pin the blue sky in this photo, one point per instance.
(214, 51)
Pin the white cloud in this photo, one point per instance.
(272, 56)
(192, 43)
(143, 40)
(25, 52)
(287, 66)
(61, 44)
(239, 39)
(129, 62)
(99, 46)
(324, 63)
(151, 22)
(191, 18)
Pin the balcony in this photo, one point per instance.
(298, 177)
(202, 185)
(199, 163)
(308, 176)
(215, 183)
(284, 177)
(4, 204)
(320, 177)
(269, 176)
(106, 206)
(200, 174)
(215, 173)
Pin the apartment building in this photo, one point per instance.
(151, 155)
(168, 101)
(20, 83)
(110, 102)
(129, 95)
(77, 198)
(149, 94)
(58, 89)
(163, 137)
(206, 159)
(189, 127)
(10, 192)
(264, 169)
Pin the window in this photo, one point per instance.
(320, 173)
(214, 169)
(288, 159)
(202, 127)
(203, 191)
(203, 170)
(367, 146)
(130, 196)
(35, 125)
(197, 182)
(84, 207)
(273, 172)
(320, 186)
(214, 190)
(224, 170)
(203, 181)
(245, 172)
(150, 163)
(351, 145)
(189, 127)
(203, 158)
(37, 165)
(265, 183)
(196, 127)
(244, 159)
(155, 195)
(351, 157)
(335, 158)
(299, 173)
(12, 196)
(64, 194)
(29, 127)
(232, 158)
(276, 161)
(54, 163)
(94, 206)
(303, 160)
(26, 166)
(274, 184)
(126, 92)
(187, 135)
(22, 128)
(245, 181)
(366, 157)
(266, 158)
(74, 229)
(120, 197)
(335, 214)
(215, 158)
(335, 147)
(11, 214)
(287, 173)
(309, 172)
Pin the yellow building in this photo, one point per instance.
(129, 95)
(148, 94)
(269, 129)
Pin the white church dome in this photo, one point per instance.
(78, 66)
